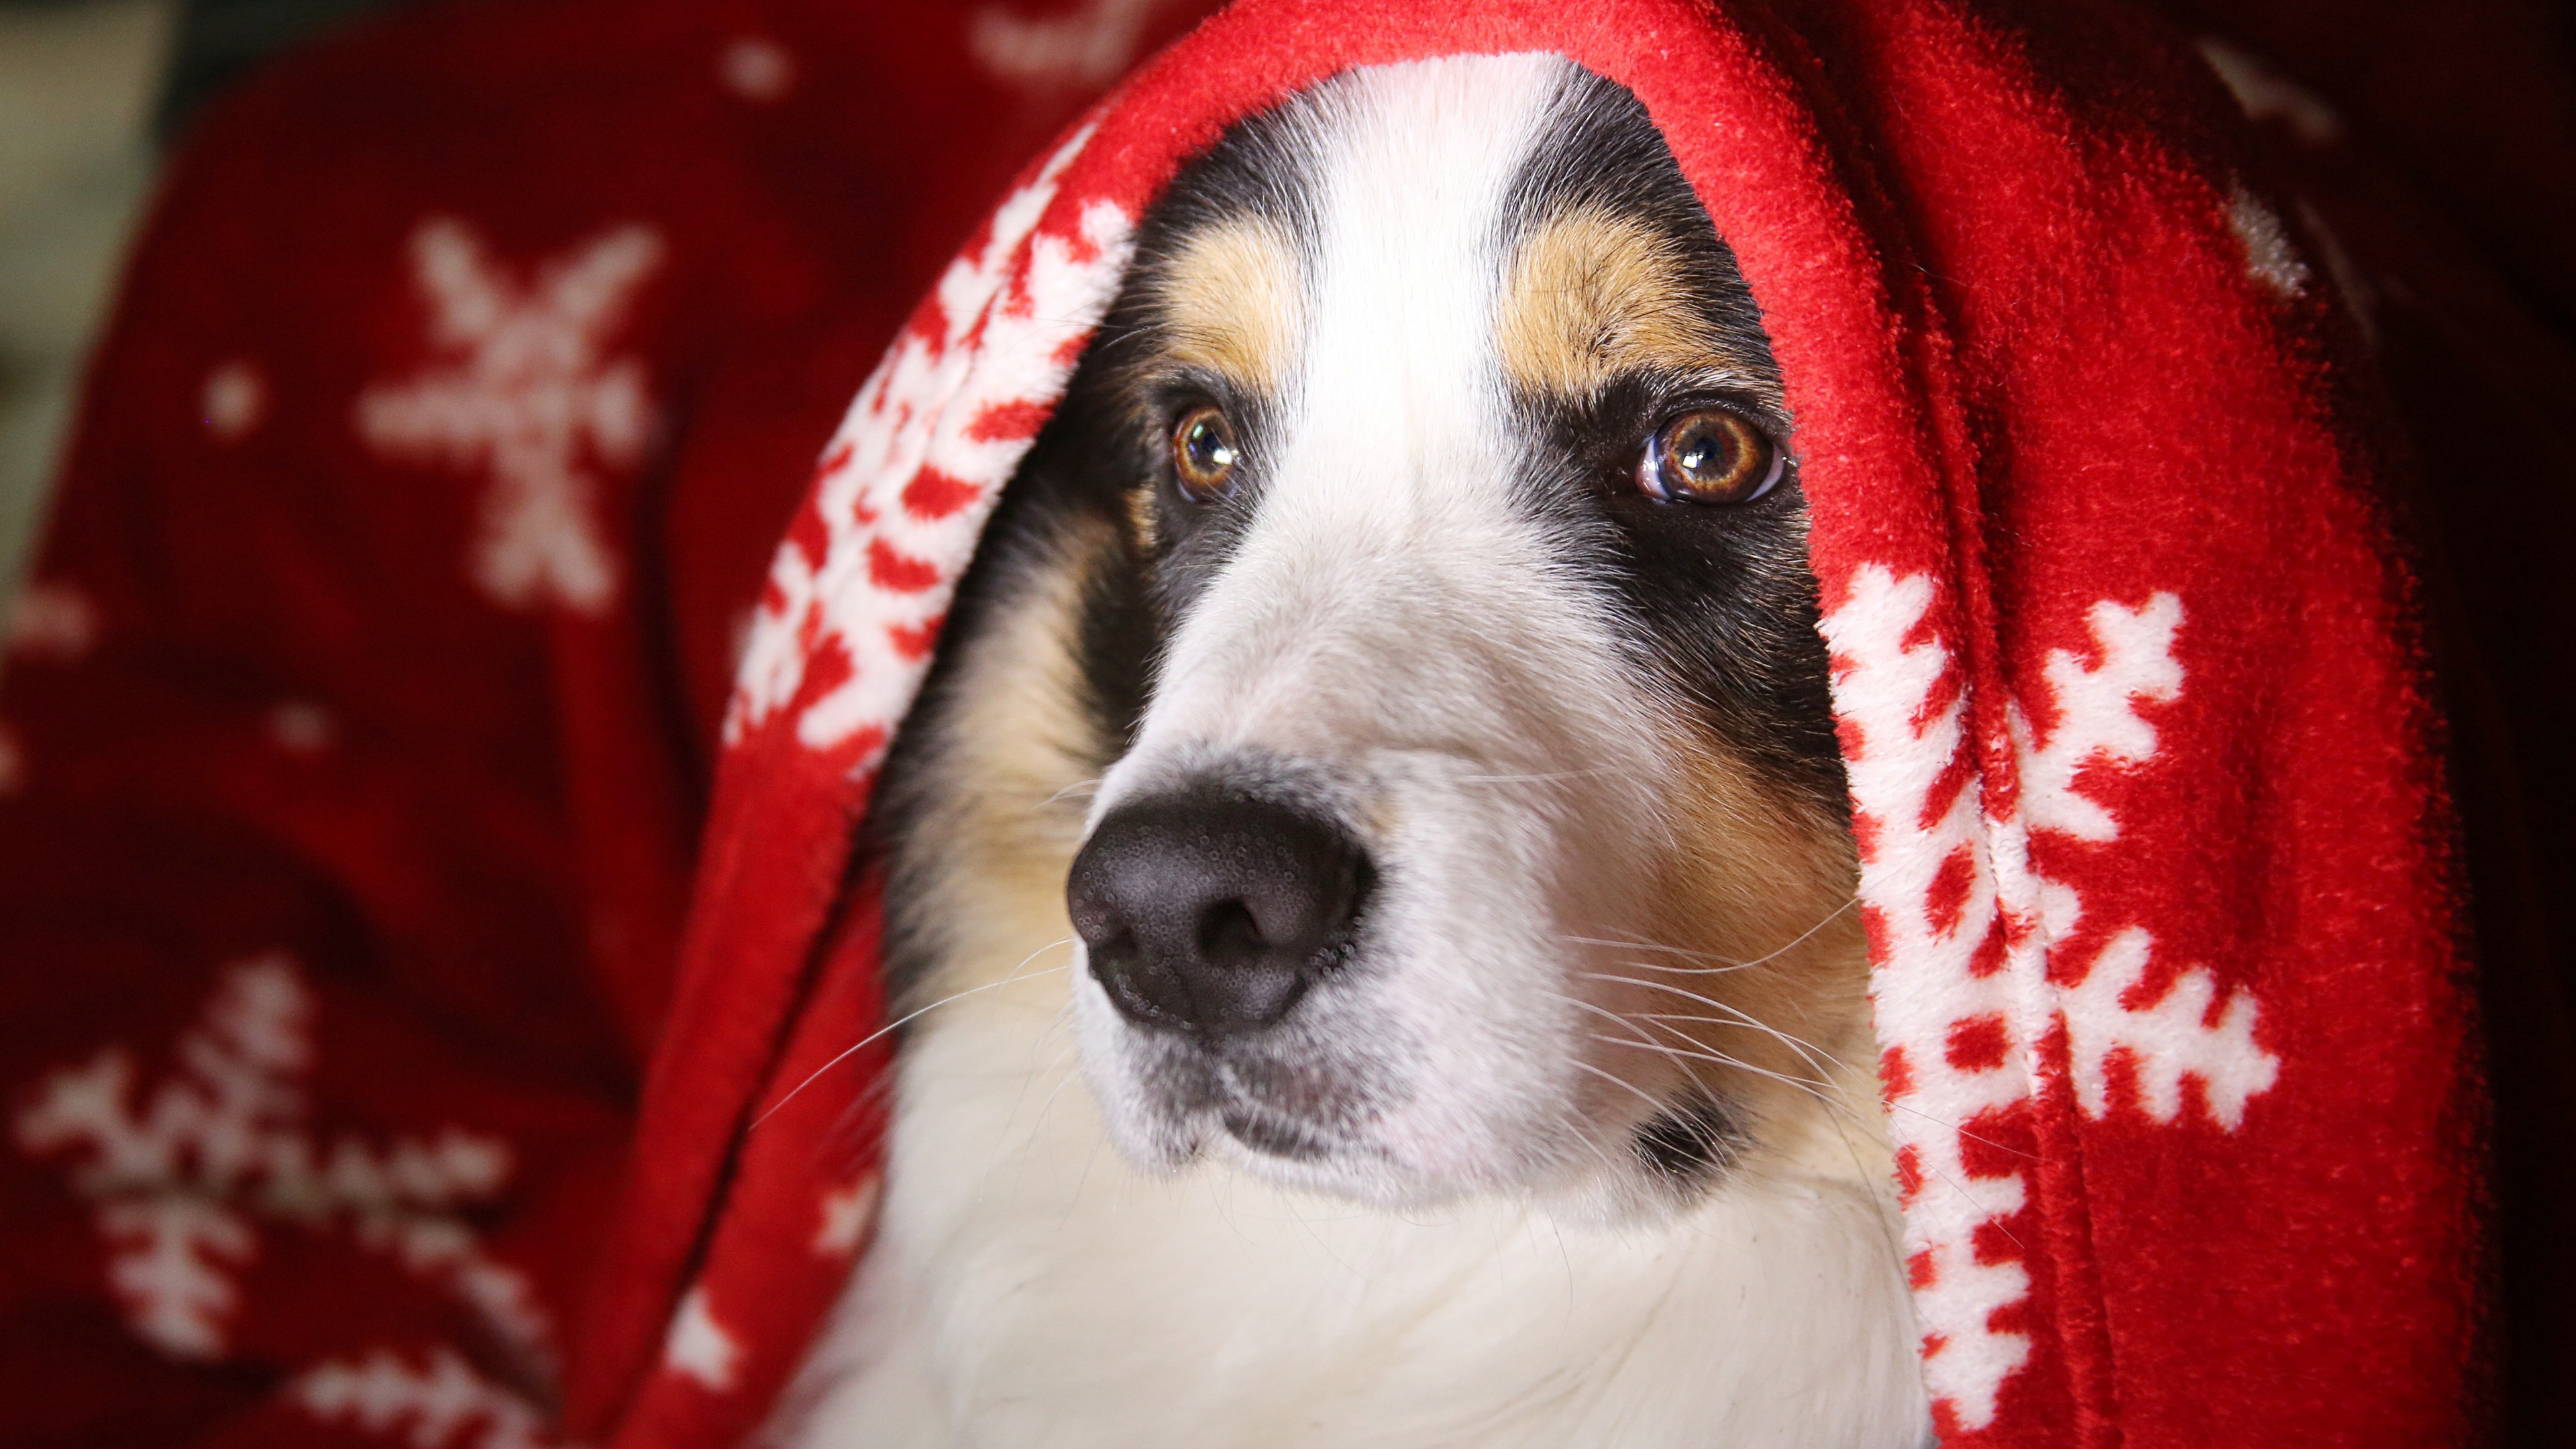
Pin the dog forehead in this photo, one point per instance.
(1389, 260)
(1232, 304)
(1394, 383)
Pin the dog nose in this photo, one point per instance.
(1211, 911)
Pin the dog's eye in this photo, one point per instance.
(1204, 454)
(1709, 456)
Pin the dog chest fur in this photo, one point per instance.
(1029, 1289)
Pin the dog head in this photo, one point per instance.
(1472, 818)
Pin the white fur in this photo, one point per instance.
(1029, 1290)
(1064, 1260)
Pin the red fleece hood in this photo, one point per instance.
(2162, 925)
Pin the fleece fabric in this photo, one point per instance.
(361, 706)
(428, 787)
(2155, 850)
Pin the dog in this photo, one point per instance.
(1370, 880)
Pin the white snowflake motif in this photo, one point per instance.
(183, 1175)
(1086, 49)
(757, 69)
(865, 576)
(2172, 1037)
(1961, 988)
(446, 1405)
(847, 1214)
(697, 1346)
(233, 401)
(50, 620)
(525, 392)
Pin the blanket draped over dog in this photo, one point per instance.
(313, 1137)
(2153, 843)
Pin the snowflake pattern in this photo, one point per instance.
(182, 1177)
(1088, 48)
(856, 594)
(524, 390)
(757, 69)
(442, 1405)
(50, 620)
(697, 1346)
(1964, 925)
(847, 1213)
(233, 401)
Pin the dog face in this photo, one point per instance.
(1427, 559)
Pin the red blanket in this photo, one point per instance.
(361, 707)
(361, 716)
(2153, 839)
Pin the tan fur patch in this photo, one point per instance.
(1141, 525)
(1231, 304)
(1592, 294)
(1759, 987)
(1009, 774)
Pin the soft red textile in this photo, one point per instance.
(361, 708)
(2156, 853)
(350, 799)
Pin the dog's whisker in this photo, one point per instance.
(1724, 963)
(1579, 1132)
(862, 1043)
(1549, 778)
(1697, 1051)
(1824, 1063)
(1627, 944)
(1849, 903)
(1936, 1120)
(1710, 1055)
(1738, 1016)
(1824, 1074)
(1659, 1108)
(1842, 1109)
(1813, 1089)
(1823, 1079)
(1726, 970)
(1090, 786)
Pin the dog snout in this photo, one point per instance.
(1209, 911)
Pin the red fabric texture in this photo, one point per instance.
(367, 824)
(2156, 848)
(2439, 143)
(361, 710)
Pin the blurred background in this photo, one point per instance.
(79, 84)
(89, 91)
(92, 92)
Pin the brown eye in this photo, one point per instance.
(1709, 456)
(1204, 454)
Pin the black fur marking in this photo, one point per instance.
(1719, 598)
(1258, 171)
(1107, 439)
(1691, 1142)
